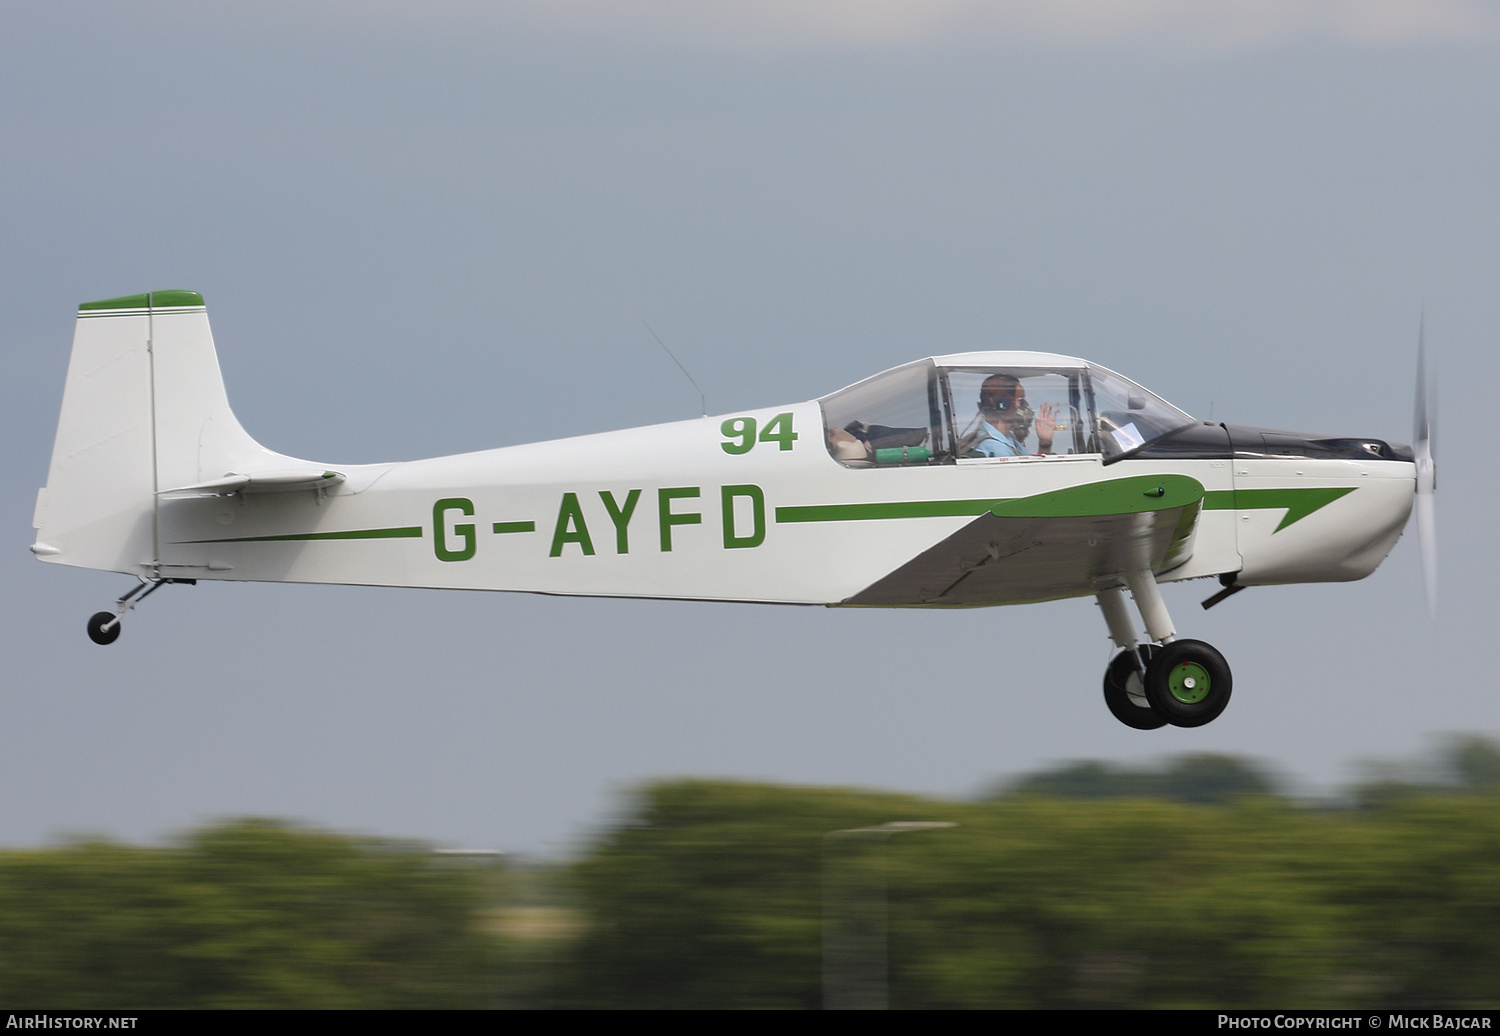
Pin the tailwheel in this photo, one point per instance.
(104, 628)
(1125, 694)
(1188, 682)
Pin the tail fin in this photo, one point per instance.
(144, 411)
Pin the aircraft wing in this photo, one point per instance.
(1019, 552)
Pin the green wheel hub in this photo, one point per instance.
(1188, 682)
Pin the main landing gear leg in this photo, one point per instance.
(1124, 689)
(104, 627)
(1183, 682)
(1186, 682)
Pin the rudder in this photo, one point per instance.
(144, 411)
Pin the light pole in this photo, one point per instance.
(492, 860)
(856, 923)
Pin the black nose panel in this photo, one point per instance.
(1223, 441)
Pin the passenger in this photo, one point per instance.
(1005, 420)
(845, 446)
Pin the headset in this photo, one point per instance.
(1016, 413)
(1004, 405)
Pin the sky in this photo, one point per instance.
(427, 229)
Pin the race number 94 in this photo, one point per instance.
(740, 437)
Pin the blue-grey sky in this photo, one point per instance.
(425, 229)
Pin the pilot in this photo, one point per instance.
(1005, 420)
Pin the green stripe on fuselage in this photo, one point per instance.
(1299, 502)
(408, 532)
(1133, 495)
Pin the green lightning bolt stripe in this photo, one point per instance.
(876, 512)
(1116, 496)
(1299, 502)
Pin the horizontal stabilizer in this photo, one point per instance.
(260, 482)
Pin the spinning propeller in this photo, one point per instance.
(1424, 451)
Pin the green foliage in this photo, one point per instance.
(1201, 778)
(712, 894)
(248, 914)
(1460, 765)
(1418, 889)
(1188, 885)
(1475, 762)
(1048, 904)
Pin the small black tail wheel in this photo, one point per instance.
(1124, 693)
(98, 634)
(1188, 682)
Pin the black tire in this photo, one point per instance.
(1188, 682)
(98, 634)
(1117, 695)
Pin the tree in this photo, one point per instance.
(246, 914)
(1202, 778)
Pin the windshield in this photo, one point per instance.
(1127, 416)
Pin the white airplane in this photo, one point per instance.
(974, 479)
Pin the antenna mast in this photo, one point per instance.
(701, 397)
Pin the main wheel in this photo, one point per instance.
(1188, 682)
(1126, 696)
(98, 634)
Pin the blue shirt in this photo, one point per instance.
(995, 443)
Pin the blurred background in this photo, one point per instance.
(1191, 883)
(429, 229)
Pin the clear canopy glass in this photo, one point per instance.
(923, 414)
(1127, 416)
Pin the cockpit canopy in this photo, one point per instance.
(981, 406)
